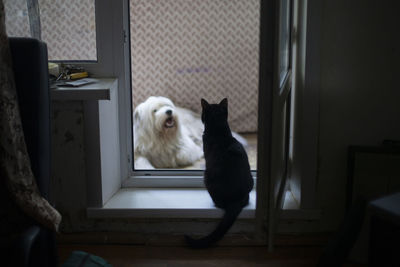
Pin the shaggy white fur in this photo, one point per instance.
(166, 136)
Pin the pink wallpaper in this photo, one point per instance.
(191, 49)
(182, 49)
(68, 27)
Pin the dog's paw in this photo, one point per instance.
(143, 163)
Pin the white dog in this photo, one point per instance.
(166, 136)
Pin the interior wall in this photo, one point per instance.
(359, 94)
(358, 106)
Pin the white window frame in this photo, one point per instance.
(306, 70)
(113, 53)
(163, 177)
(113, 60)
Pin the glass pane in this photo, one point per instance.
(69, 29)
(284, 36)
(186, 50)
(17, 19)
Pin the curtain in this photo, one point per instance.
(20, 200)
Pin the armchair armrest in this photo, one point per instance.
(24, 244)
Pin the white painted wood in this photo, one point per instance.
(92, 153)
(109, 145)
(164, 203)
(102, 148)
(164, 181)
(94, 91)
(290, 202)
(123, 68)
(308, 132)
(266, 59)
(281, 104)
(305, 98)
(105, 33)
(170, 179)
(109, 148)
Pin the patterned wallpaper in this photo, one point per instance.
(68, 27)
(17, 20)
(191, 49)
(181, 49)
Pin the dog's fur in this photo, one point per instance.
(166, 136)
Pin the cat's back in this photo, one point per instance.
(227, 176)
(237, 160)
(221, 149)
(228, 160)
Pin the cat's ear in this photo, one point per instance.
(224, 103)
(204, 103)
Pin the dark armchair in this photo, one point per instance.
(36, 246)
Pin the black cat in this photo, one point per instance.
(227, 176)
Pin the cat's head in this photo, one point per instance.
(214, 113)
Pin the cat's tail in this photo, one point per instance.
(223, 226)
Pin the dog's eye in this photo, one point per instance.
(155, 110)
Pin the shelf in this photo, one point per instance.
(100, 90)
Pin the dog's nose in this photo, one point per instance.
(169, 112)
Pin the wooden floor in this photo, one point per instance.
(127, 255)
(170, 250)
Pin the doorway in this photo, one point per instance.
(186, 50)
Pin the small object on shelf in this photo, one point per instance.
(54, 69)
(80, 82)
(78, 75)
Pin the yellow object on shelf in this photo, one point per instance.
(78, 75)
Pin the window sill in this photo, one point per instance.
(100, 90)
(164, 203)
